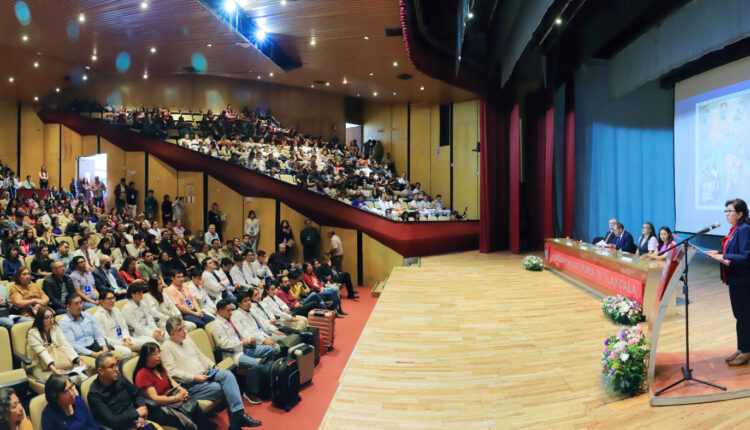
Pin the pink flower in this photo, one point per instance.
(612, 356)
(631, 341)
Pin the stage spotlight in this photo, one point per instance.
(144, 5)
(260, 35)
(230, 6)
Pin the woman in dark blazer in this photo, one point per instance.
(736, 251)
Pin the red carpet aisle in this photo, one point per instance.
(317, 395)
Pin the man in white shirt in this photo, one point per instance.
(336, 251)
(248, 327)
(87, 253)
(215, 286)
(84, 282)
(260, 268)
(242, 282)
(28, 183)
(211, 235)
(138, 316)
(112, 325)
(184, 361)
(244, 351)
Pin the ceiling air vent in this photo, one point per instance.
(319, 82)
(393, 32)
(404, 76)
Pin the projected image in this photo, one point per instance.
(722, 136)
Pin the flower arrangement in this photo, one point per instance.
(534, 263)
(622, 310)
(624, 360)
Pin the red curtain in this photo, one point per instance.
(514, 170)
(408, 239)
(493, 179)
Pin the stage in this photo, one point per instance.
(472, 340)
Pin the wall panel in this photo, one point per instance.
(419, 127)
(377, 260)
(265, 211)
(51, 151)
(71, 149)
(191, 183)
(230, 203)
(135, 162)
(465, 161)
(32, 149)
(440, 165)
(163, 180)
(297, 223)
(9, 133)
(116, 168)
(349, 242)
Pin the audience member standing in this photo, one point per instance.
(310, 238)
(214, 217)
(166, 210)
(131, 198)
(337, 250)
(43, 177)
(252, 229)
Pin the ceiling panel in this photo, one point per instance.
(180, 29)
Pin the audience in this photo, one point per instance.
(138, 316)
(26, 296)
(113, 327)
(48, 349)
(80, 329)
(58, 286)
(114, 401)
(182, 296)
(12, 414)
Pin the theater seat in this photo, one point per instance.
(201, 339)
(18, 339)
(36, 407)
(432, 218)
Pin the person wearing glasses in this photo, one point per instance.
(49, 350)
(65, 410)
(735, 253)
(648, 241)
(666, 241)
(114, 401)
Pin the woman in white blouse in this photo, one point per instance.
(138, 316)
(648, 241)
(161, 307)
(252, 229)
(280, 310)
(43, 336)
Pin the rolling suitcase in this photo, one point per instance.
(325, 321)
(305, 356)
(288, 342)
(285, 383)
(311, 336)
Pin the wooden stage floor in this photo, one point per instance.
(473, 341)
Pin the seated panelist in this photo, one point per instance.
(623, 240)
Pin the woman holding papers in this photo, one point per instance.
(735, 251)
(49, 349)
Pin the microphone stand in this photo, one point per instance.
(687, 372)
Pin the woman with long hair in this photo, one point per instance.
(173, 405)
(48, 348)
(648, 241)
(26, 296)
(128, 271)
(665, 242)
(252, 229)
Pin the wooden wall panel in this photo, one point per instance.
(32, 138)
(9, 133)
(163, 180)
(71, 149)
(440, 164)
(419, 127)
(466, 162)
(88, 145)
(51, 157)
(265, 211)
(297, 222)
(230, 203)
(377, 260)
(399, 136)
(349, 242)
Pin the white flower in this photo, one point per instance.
(619, 346)
(624, 356)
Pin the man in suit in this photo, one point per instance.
(106, 278)
(623, 240)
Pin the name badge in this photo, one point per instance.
(87, 288)
(189, 303)
(205, 301)
(119, 332)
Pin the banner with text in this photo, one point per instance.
(617, 282)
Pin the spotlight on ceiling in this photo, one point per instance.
(470, 15)
(144, 5)
(11, 79)
(81, 18)
(153, 49)
(36, 99)
(270, 74)
(312, 41)
(25, 37)
(230, 6)
(367, 37)
(36, 64)
(260, 35)
(395, 64)
(208, 45)
(375, 94)
(283, 2)
(421, 88)
(57, 90)
(85, 78)
(371, 73)
(558, 21)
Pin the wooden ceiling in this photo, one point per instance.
(63, 45)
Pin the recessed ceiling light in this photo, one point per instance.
(36, 64)
(260, 35)
(394, 93)
(344, 81)
(208, 45)
(11, 79)
(270, 74)
(371, 74)
(94, 57)
(36, 99)
(328, 84)
(312, 41)
(283, 2)
(81, 18)
(153, 49)
(312, 86)
(145, 75)
(230, 6)
(85, 77)
(144, 5)
(471, 15)
(395, 64)
(558, 21)
(57, 90)
(357, 94)
(374, 93)
(258, 76)
(88, 67)
(367, 37)
(421, 88)
(25, 37)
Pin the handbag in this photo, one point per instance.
(61, 360)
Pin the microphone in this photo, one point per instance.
(709, 228)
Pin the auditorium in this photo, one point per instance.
(364, 214)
